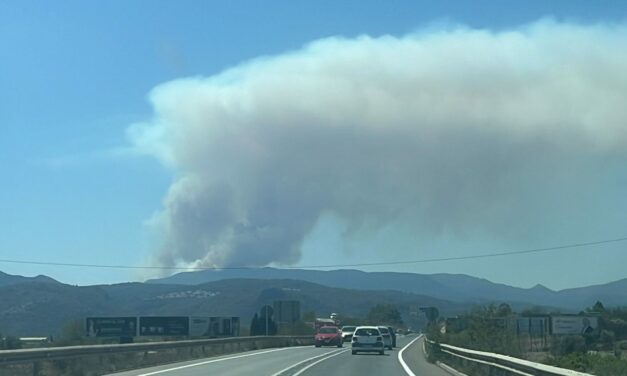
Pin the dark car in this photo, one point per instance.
(328, 336)
(387, 338)
(393, 335)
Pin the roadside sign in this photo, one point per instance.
(111, 326)
(574, 324)
(164, 326)
(200, 326)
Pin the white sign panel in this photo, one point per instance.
(199, 326)
(574, 324)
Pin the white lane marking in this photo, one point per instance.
(304, 361)
(400, 357)
(319, 361)
(217, 360)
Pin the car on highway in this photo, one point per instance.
(328, 336)
(347, 332)
(367, 339)
(387, 339)
(392, 335)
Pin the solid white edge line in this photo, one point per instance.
(304, 361)
(400, 356)
(319, 361)
(217, 360)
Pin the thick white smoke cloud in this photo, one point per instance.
(455, 130)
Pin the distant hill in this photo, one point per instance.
(41, 306)
(42, 309)
(452, 287)
(9, 279)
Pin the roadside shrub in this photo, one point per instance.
(595, 364)
(563, 345)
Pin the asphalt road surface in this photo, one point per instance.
(306, 361)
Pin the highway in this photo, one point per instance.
(306, 361)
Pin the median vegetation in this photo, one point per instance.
(601, 352)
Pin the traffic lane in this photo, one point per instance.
(259, 362)
(361, 363)
(375, 364)
(358, 365)
(416, 360)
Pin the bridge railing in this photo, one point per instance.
(92, 360)
(491, 364)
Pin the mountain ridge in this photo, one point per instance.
(11, 279)
(40, 309)
(460, 288)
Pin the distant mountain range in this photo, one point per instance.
(35, 306)
(40, 309)
(9, 279)
(451, 287)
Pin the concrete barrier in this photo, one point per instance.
(100, 359)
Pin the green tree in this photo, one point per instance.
(309, 316)
(504, 310)
(384, 314)
(563, 345)
(349, 320)
(597, 307)
(534, 311)
(273, 328)
(254, 325)
(73, 333)
(607, 338)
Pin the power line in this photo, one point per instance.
(383, 263)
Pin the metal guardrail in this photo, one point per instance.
(502, 364)
(58, 353)
(96, 360)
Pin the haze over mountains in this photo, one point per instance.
(34, 306)
(452, 287)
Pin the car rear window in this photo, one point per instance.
(367, 332)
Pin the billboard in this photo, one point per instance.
(538, 326)
(111, 326)
(199, 326)
(164, 326)
(203, 326)
(522, 326)
(574, 325)
(286, 311)
(534, 326)
(195, 326)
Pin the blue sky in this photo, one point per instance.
(75, 75)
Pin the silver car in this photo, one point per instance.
(347, 332)
(367, 339)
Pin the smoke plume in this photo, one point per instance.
(451, 130)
